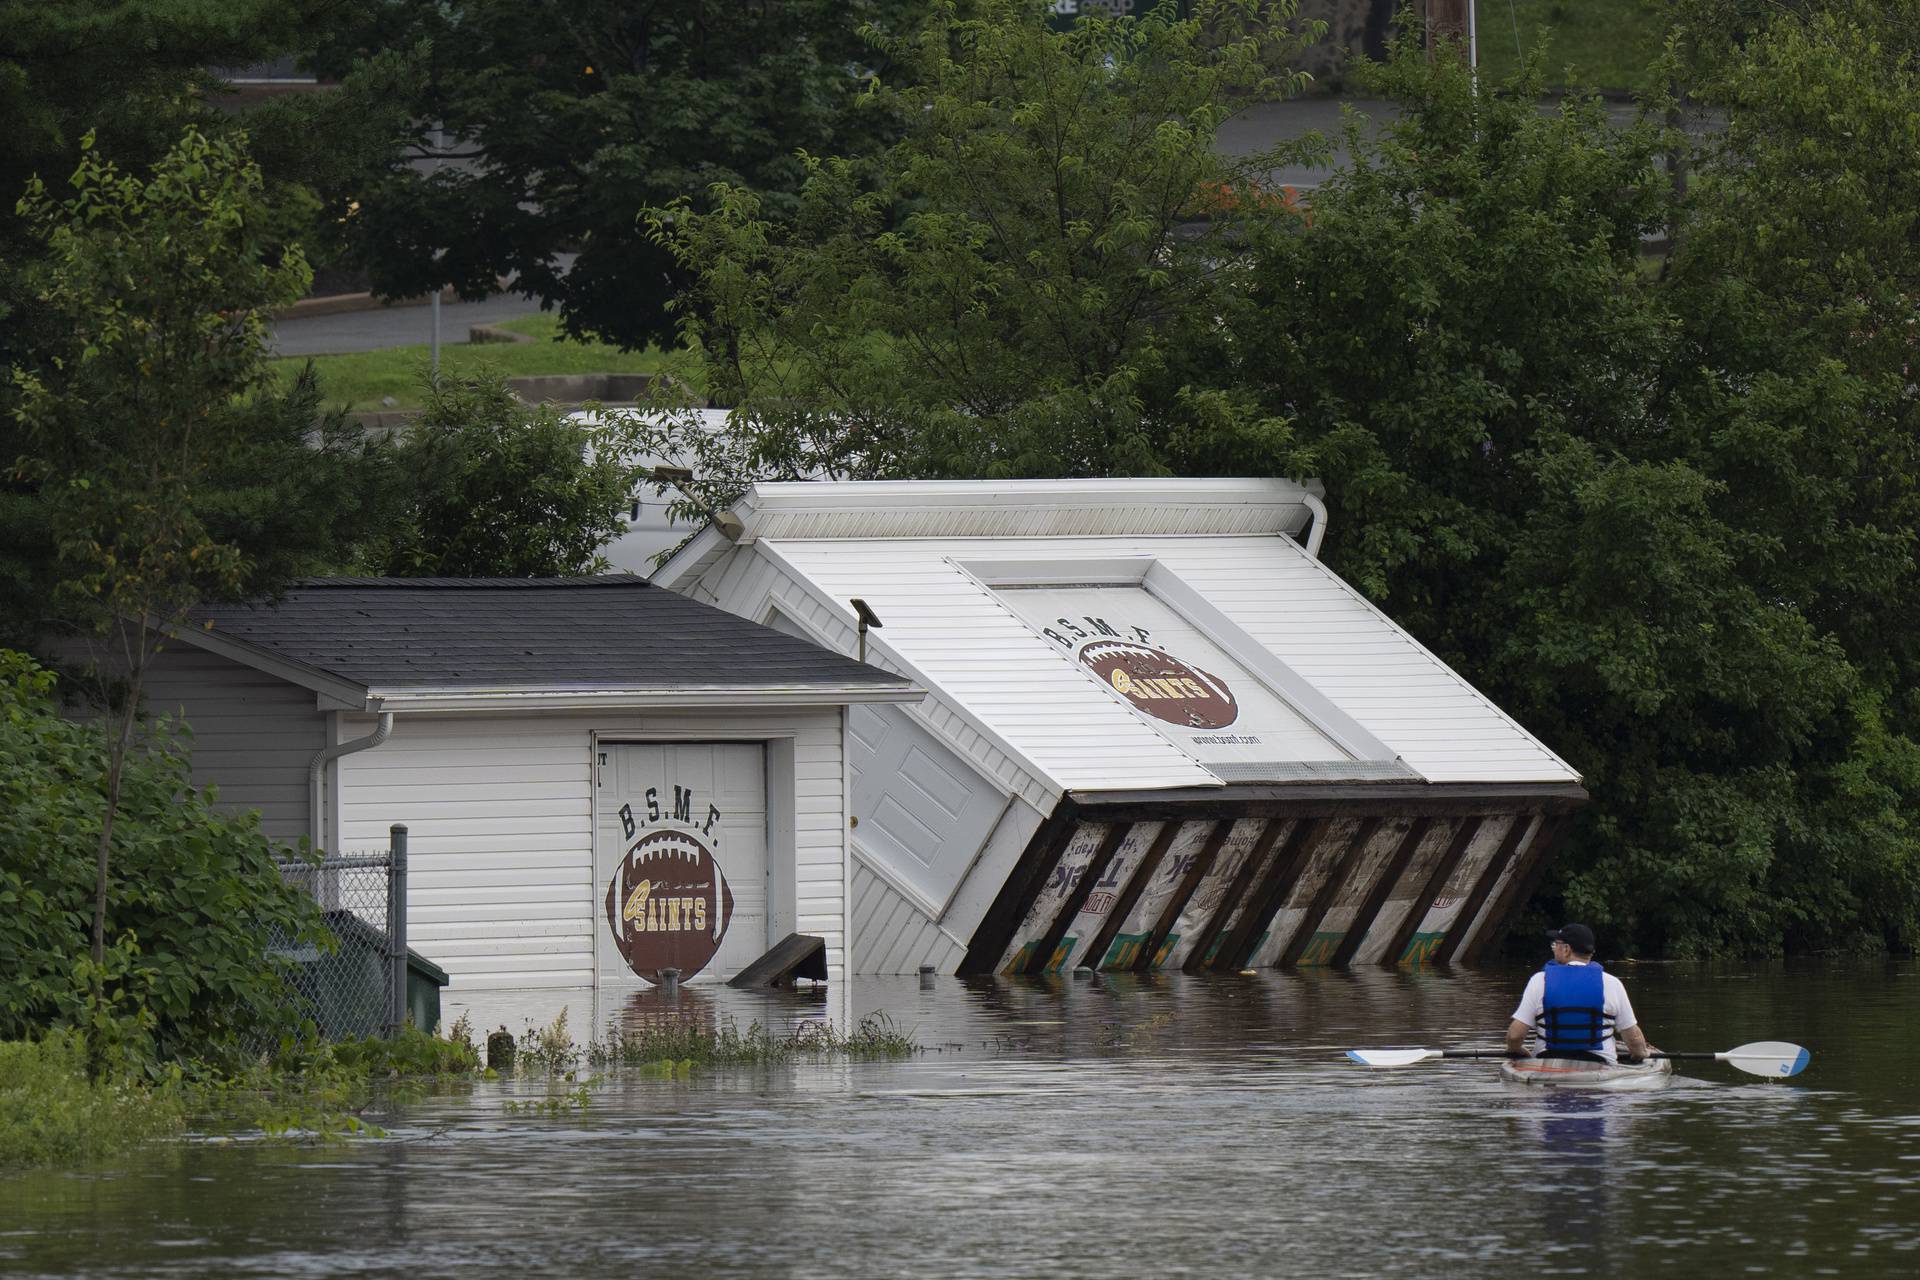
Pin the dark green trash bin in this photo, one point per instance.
(345, 990)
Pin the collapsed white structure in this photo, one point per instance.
(1159, 732)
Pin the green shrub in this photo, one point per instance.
(52, 1113)
(411, 1053)
(192, 902)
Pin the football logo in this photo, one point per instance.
(1162, 685)
(668, 904)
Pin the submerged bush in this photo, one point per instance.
(52, 1113)
(193, 899)
(325, 1091)
(684, 1043)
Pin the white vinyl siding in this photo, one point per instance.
(499, 811)
(892, 934)
(254, 735)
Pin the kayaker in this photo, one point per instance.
(1576, 1006)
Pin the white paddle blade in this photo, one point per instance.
(1391, 1057)
(1775, 1058)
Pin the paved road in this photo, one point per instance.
(392, 326)
(1270, 123)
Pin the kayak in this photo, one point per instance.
(1571, 1073)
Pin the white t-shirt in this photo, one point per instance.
(1614, 1004)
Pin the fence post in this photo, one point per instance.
(396, 929)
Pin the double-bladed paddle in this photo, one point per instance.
(1774, 1058)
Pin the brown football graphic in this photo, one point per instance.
(1162, 685)
(668, 904)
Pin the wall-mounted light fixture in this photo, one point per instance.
(868, 618)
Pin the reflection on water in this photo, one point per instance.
(1086, 1126)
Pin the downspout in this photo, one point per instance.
(1319, 529)
(317, 769)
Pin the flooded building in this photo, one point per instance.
(1159, 732)
(600, 779)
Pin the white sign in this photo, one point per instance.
(1164, 668)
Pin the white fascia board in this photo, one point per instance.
(699, 552)
(332, 692)
(911, 670)
(1146, 491)
(917, 498)
(695, 556)
(682, 698)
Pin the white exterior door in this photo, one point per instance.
(680, 860)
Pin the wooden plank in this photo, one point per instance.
(1117, 917)
(1197, 957)
(1076, 898)
(1316, 912)
(1520, 887)
(1376, 899)
(1170, 914)
(1016, 896)
(1477, 896)
(1456, 850)
(1294, 858)
(798, 955)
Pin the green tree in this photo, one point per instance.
(157, 446)
(131, 76)
(196, 893)
(1799, 296)
(489, 486)
(1009, 289)
(558, 121)
(1635, 506)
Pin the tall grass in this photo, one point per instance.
(52, 1113)
(685, 1043)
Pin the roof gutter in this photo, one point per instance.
(317, 769)
(389, 701)
(1319, 529)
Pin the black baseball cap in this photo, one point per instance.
(1577, 936)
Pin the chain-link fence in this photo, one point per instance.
(359, 988)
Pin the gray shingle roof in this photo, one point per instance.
(615, 632)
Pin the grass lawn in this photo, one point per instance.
(1607, 44)
(360, 380)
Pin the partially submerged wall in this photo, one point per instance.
(1258, 884)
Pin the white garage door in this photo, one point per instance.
(923, 812)
(680, 860)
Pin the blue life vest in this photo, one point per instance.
(1573, 1018)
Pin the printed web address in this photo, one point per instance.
(1229, 740)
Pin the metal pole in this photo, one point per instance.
(397, 929)
(436, 333)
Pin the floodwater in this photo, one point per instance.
(1092, 1127)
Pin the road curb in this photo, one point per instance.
(335, 304)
